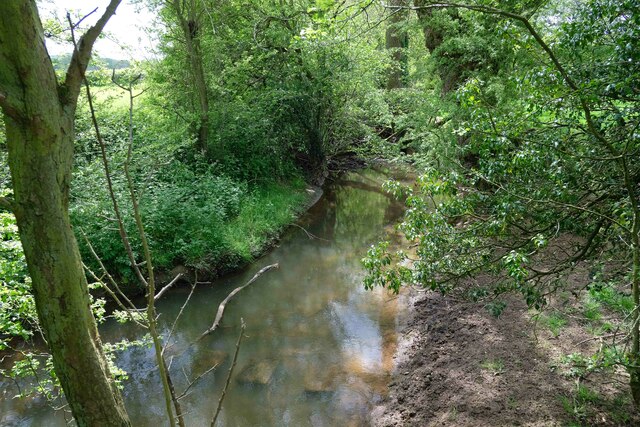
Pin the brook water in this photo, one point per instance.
(318, 348)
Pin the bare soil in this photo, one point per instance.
(458, 365)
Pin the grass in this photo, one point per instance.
(113, 97)
(592, 309)
(603, 297)
(261, 216)
(607, 294)
(600, 329)
(453, 414)
(554, 322)
(585, 406)
(495, 366)
(579, 403)
(209, 222)
(512, 402)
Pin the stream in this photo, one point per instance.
(318, 349)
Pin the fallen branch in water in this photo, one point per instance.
(310, 235)
(192, 383)
(235, 358)
(166, 288)
(222, 305)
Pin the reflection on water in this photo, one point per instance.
(318, 349)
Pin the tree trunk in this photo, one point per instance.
(433, 37)
(197, 69)
(396, 41)
(39, 118)
(190, 25)
(38, 157)
(634, 353)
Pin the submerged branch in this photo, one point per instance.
(168, 286)
(222, 305)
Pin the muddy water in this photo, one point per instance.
(318, 348)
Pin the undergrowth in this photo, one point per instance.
(203, 220)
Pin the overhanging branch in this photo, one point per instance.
(82, 54)
(593, 128)
(516, 17)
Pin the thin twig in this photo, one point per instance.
(169, 392)
(106, 272)
(596, 338)
(192, 383)
(114, 297)
(226, 384)
(175, 322)
(310, 235)
(77, 24)
(105, 163)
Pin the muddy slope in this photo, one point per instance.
(461, 366)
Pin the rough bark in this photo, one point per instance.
(39, 117)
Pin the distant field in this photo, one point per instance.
(112, 96)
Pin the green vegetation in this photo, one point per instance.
(583, 404)
(496, 367)
(554, 322)
(528, 143)
(521, 117)
(18, 315)
(204, 167)
(577, 405)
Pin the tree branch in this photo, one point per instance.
(222, 305)
(593, 128)
(82, 54)
(105, 162)
(195, 381)
(175, 322)
(233, 364)
(167, 286)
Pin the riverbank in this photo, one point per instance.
(253, 240)
(318, 347)
(458, 365)
(253, 233)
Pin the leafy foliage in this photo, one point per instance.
(17, 309)
(289, 90)
(526, 168)
(532, 173)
